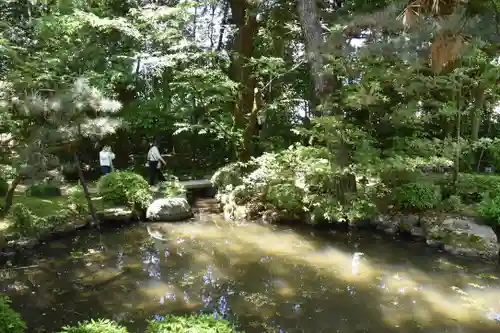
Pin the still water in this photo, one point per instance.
(269, 279)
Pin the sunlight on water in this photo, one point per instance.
(269, 279)
(436, 300)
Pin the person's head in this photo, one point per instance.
(153, 143)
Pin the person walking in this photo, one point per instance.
(106, 157)
(154, 159)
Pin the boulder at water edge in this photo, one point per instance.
(169, 209)
(463, 235)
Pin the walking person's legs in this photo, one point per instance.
(105, 169)
(153, 172)
(161, 177)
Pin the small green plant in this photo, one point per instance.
(10, 320)
(77, 202)
(95, 326)
(417, 197)
(171, 187)
(489, 209)
(452, 204)
(125, 188)
(286, 197)
(190, 324)
(23, 220)
(44, 190)
(473, 187)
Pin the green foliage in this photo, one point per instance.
(190, 324)
(230, 175)
(95, 326)
(125, 188)
(472, 187)
(298, 181)
(418, 197)
(23, 220)
(10, 320)
(452, 204)
(171, 187)
(44, 190)
(287, 197)
(77, 202)
(489, 209)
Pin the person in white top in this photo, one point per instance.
(106, 157)
(154, 159)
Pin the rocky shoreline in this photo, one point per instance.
(161, 209)
(458, 235)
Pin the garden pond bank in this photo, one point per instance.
(269, 278)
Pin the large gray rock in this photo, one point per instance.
(463, 235)
(169, 209)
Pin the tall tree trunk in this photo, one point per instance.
(245, 19)
(476, 115)
(309, 20)
(9, 196)
(85, 189)
(324, 89)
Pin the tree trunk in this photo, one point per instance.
(245, 19)
(9, 196)
(324, 89)
(86, 190)
(309, 20)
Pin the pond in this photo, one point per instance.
(269, 279)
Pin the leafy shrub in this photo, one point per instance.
(472, 187)
(119, 188)
(419, 196)
(231, 175)
(286, 197)
(489, 209)
(452, 203)
(190, 324)
(4, 187)
(95, 326)
(23, 220)
(10, 320)
(44, 190)
(7, 171)
(171, 187)
(395, 177)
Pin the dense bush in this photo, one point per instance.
(231, 175)
(417, 197)
(95, 326)
(125, 188)
(190, 324)
(489, 209)
(472, 187)
(10, 320)
(27, 224)
(4, 186)
(296, 181)
(171, 187)
(23, 221)
(45, 190)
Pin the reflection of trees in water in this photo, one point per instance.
(227, 276)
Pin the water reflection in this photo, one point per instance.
(270, 280)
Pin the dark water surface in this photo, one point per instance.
(269, 279)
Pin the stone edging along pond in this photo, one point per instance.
(458, 235)
(161, 209)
